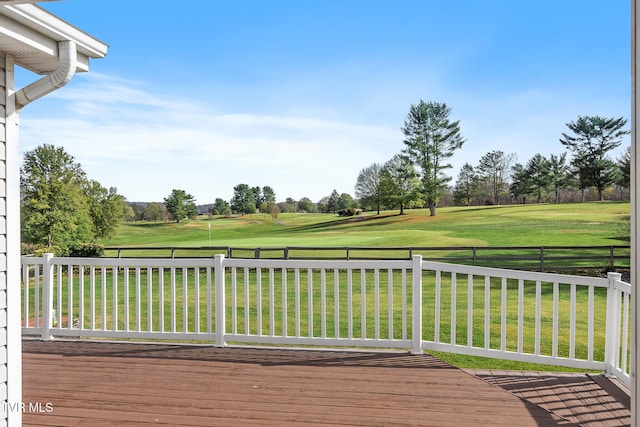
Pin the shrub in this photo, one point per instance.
(87, 250)
(40, 249)
(349, 212)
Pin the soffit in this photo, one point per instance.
(31, 35)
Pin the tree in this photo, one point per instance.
(221, 207)
(345, 201)
(368, 186)
(54, 205)
(332, 202)
(493, 169)
(274, 210)
(430, 139)
(593, 137)
(323, 205)
(180, 205)
(520, 182)
(243, 200)
(537, 171)
(559, 174)
(287, 207)
(138, 210)
(106, 209)
(268, 195)
(306, 205)
(128, 213)
(624, 164)
(399, 183)
(155, 212)
(467, 187)
(257, 196)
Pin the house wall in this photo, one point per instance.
(10, 340)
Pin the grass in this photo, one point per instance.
(586, 224)
(604, 223)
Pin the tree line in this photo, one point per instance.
(415, 177)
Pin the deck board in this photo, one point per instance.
(111, 383)
(584, 399)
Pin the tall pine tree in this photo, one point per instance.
(431, 138)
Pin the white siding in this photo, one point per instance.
(3, 252)
(11, 345)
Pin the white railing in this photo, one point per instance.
(554, 319)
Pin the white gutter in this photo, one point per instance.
(68, 56)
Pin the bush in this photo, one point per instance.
(349, 212)
(40, 249)
(87, 250)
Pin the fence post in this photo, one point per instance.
(220, 299)
(47, 296)
(611, 259)
(612, 335)
(416, 304)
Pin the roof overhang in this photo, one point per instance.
(31, 35)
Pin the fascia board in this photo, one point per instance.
(49, 25)
(27, 37)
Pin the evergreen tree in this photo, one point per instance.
(332, 202)
(560, 175)
(593, 137)
(520, 182)
(624, 164)
(537, 171)
(243, 200)
(431, 138)
(180, 205)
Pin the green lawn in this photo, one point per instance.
(588, 224)
(581, 224)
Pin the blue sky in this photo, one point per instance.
(203, 95)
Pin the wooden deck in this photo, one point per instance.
(106, 383)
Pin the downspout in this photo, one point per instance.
(67, 55)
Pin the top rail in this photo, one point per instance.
(541, 258)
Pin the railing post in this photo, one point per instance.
(47, 296)
(612, 335)
(416, 305)
(220, 299)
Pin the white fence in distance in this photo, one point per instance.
(419, 305)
